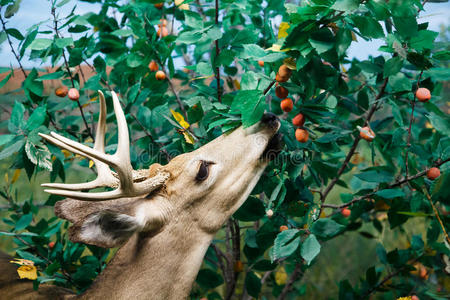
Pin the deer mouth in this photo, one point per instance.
(274, 147)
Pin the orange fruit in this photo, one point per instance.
(51, 245)
(346, 212)
(159, 5)
(260, 63)
(269, 213)
(281, 92)
(283, 228)
(414, 297)
(61, 91)
(160, 75)
(74, 95)
(238, 266)
(163, 22)
(433, 173)
(298, 120)
(423, 94)
(287, 105)
(301, 135)
(284, 71)
(162, 32)
(153, 66)
(366, 133)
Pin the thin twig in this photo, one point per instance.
(219, 92)
(55, 28)
(395, 184)
(11, 46)
(294, 276)
(411, 121)
(355, 144)
(269, 87)
(427, 195)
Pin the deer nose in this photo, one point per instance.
(269, 118)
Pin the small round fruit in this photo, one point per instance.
(284, 71)
(162, 32)
(61, 91)
(160, 75)
(73, 94)
(301, 135)
(163, 22)
(346, 212)
(159, 5)
(269, 213)
(287, 105)
(283, 228)
(366, 133)
(51, 245)
(298, 120)
(433, 173)
(260, 63)
(414, 297)
(281, 92)
(423, 94)
(238, 266)
(153, 66)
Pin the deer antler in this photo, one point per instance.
(130, 183)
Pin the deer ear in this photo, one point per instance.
(105, 229)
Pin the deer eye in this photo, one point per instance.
(203, 170)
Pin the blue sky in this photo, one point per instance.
(34, 11)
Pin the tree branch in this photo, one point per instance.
(395, 184)
(11, 45)
(55, 28)
(427, 195)
(294, 276)
(219, 92)
(411, 121)
(355, 144)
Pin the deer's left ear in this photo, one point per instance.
(104, 228)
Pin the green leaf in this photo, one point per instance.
(208, 279)
(12, 9)
(326, 228)
(390, 193)
(64, 42)
(440, 124)
(369, 27)
(252, 210)
(38, 155)
(322, 40)
(399, 83)
(6, 138)
(10, 150)
(51, 76)
(123, 32)
(310, 248)
(134, 60)
(285, 244)
(392, 66)
(442, 55)
(37, 118)
(375, 175)
(346, 5)
(24, 221)
(16, 121)
(406, 25)
(204, 69)
(62, 3)
(252, 51)
(5, 80)
(40, 44)
(15, 33)
(251, 105)
(273, 57)
(193, 19)
(253, 285)
(423, 40)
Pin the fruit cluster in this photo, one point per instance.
(159, 75)
(72, 93)
(283, 75)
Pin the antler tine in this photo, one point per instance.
(122, 155)
(100, 196)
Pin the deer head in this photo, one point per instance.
(202, 188)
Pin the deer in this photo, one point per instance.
(163, 219)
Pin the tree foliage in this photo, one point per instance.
(214, 84)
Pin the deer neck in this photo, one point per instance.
(158, 266)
